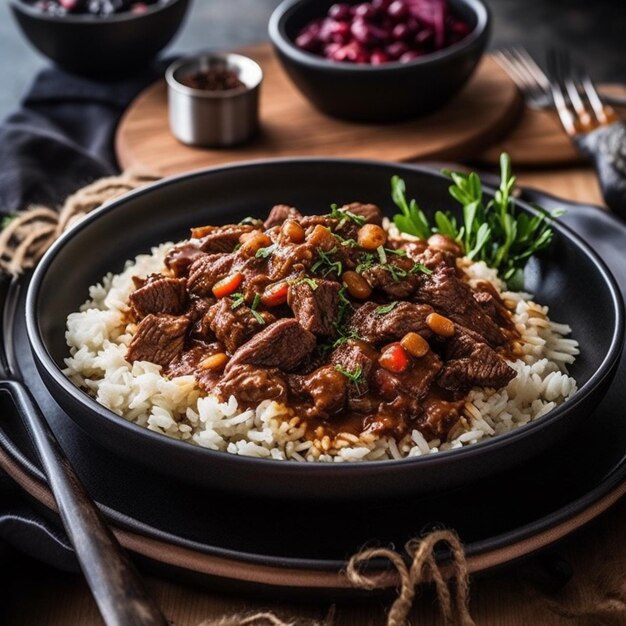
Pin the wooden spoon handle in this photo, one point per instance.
(114, 582)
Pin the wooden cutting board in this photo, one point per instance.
(487, 107)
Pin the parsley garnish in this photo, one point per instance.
(350, 243)
(386, 308)
(493, 231)
(382, 255)
(420, 268)
(263, 253)
(255, 303)
(237, 299)
(309, 281)
(326, 263)
(350, 334)
(343, 215)
(367, 260)
(355, 377)
(397, 273)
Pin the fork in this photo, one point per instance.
(112, 578)
(531, 79)
(592, 125)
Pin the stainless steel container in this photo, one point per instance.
(214, 118)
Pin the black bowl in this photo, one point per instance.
(377, 93)
(569, 278)
(101, 46)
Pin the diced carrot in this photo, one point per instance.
(228, 285)
(394, 358)
(275, 294)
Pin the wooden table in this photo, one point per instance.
(34, 594)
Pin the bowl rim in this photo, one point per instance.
(53, 370)
(126, 16)
(278, 36)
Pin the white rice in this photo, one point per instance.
(98, 336)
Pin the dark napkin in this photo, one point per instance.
(61, 138)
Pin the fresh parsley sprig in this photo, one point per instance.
(493, 231)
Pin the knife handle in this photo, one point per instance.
(115, 584)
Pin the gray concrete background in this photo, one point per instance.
(594, 30)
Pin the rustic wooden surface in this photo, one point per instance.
(36, 594)
(486, 107)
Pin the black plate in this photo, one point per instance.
(558, 485)
(166, 210)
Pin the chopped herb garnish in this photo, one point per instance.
(367, 260)
(397, 273)
(238, 299)
(386, 308)
(349, 243)
(344, 305)
(355, 377)
(263, 253)
(255, 303)
(343, 215)
(420, 268)
(396, 252)
(382, 255)
(350, 334)
(493, 231)
(309, 281)
(326, 264)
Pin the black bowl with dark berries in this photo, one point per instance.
(100, 38)
(380, 60)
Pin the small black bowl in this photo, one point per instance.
(568, 277)
(377, 93)
(101, 46)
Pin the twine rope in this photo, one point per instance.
(30, 233)
(450, 578)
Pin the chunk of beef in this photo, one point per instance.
(159, 294)
(434, 258)
(316, 308)
(356, 357)
(290, 260)
(450, 296)
(251, 385)
(206, 271)
(279, 214)
(216, 239)
(158, 339)
(324, 391)
(181, 256)
(370, 212)
(233, 327)
(283, 344)
(189, 361)
(438, 417)
(490, 301)
(379, 328)
(397, 282)
(406, 391)
(311, 221)
(471, 362)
